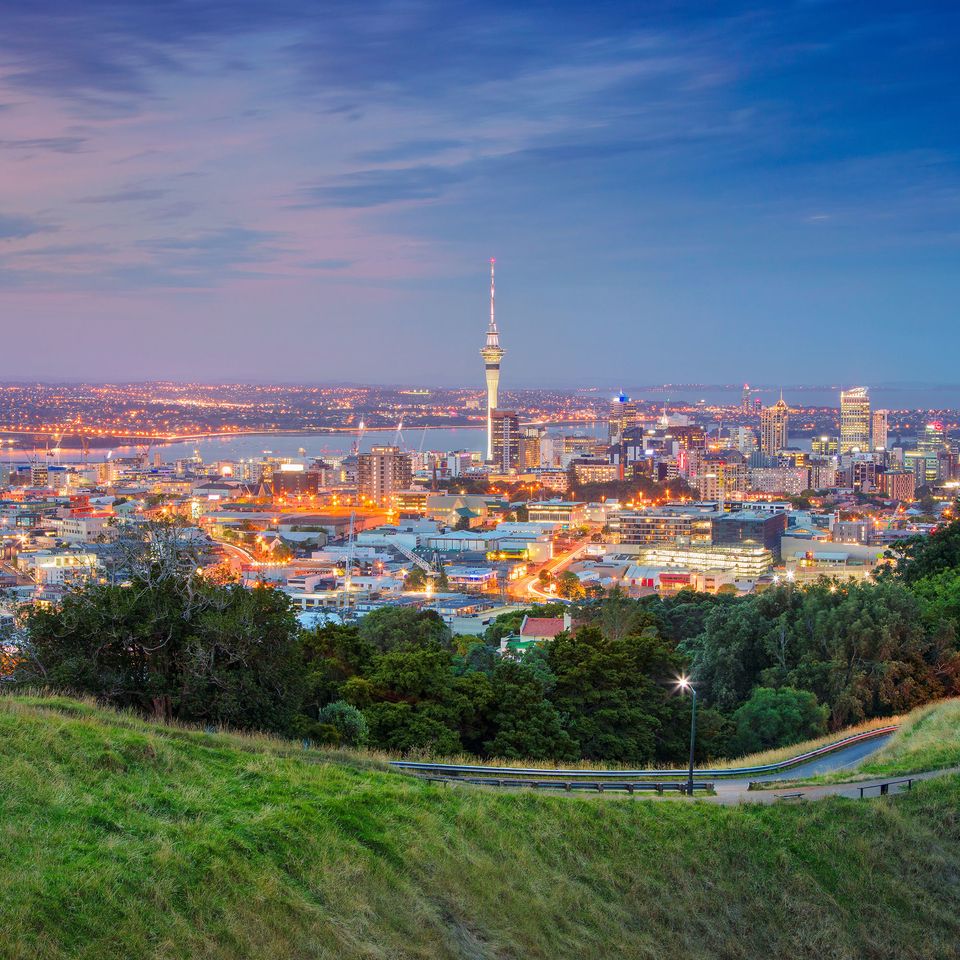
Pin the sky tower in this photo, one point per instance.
(491, 353)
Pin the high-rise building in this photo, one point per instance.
(774, 423)
(492, 352)
(854, 419)
(878, 429)
(722, 476)
(823, 446)
(530, 441)
(624, 415)
(381, 473)
(505, 433)
(744, 439)
(932, 439)
(898, 484)
(745, 399)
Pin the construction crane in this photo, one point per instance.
(359, 437)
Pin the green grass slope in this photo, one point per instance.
(120, 839)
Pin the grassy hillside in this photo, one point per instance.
(929, 740)
(120, 839)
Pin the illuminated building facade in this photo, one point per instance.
(624, 415)
(505, 436)
(878, 429)
(898, 484)
(382, 472)
(774, 423)
(854, 419)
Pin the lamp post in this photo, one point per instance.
(684, 683)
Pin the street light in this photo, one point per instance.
(685, 683)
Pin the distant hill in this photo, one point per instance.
(121, 839)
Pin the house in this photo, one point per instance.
(544, 628)
(534, 630)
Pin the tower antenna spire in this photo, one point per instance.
(493, 295)
(492, 352)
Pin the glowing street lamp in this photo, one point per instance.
(685, 683)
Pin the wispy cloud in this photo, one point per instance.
(14, 227)
(127, 196)
(54, 144)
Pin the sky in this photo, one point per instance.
(304, 191)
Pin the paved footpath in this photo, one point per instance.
(737, 791)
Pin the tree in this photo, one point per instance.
(613, 694)
(173, 646)
(339, 723)
(569, 586)
(390, 628)
(416, 579)
(729, 655)
(919, 557)
(867, 652)
(525, 723)
(777, 718)
(939, 596)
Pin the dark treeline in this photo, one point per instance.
(771, 668)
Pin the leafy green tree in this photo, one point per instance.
(920, 557)
(729, 655)
(939, 596)
(333, 655)
(613, 694)
(390, 628)
(617, 616)
(416, 579)
(175, 647)
(777, 718)
(526, 725)
(868, 653)
(569, 586)
(342, 724)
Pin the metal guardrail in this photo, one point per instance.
(600, 786)
(459, 771)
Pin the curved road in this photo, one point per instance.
(736, 789)
(838, 760)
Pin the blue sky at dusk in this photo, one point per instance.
(304, 191)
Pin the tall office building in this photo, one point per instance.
(382, 472)
(492, 353)
(854, 419)
(774, 423)
(878, 429)
(530, 442)
(932, 439)
(824, 446)
(745, 399)
(624, 415)
(505, 431)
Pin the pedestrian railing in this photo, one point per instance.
(884, 788)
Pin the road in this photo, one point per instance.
(526, 587)
(828, 763)
(237, 557)
(734, 789)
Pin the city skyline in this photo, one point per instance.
(331, 186)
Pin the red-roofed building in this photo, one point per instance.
(544, 628)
